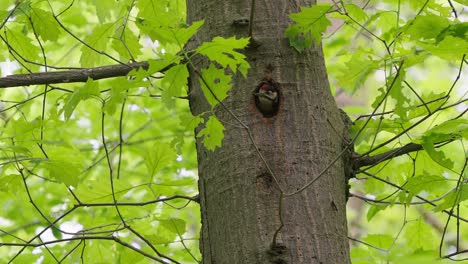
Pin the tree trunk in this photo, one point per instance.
(240, 199)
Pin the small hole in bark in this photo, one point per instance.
(277, 254)
(267, 97)
(264, 182)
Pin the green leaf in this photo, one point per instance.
(99, 39)
(100, 191)
(456, 128)
(174, 225)
(64, 171)
(161, 63)
(126, 44)
(56, 232)
(311, 22)
(183, 34)
(393, 126)
(98, 252)
(168, 31)
(127, 255)
(380, 241)
(3, 13)
(426, 26)
(419, 235)
(22, 44)
(164, 13)
(356, 12)
(432, 97)
(64, 164)
(174, 83)
(457, 30)
(4, 5)
(103, 9)
(436, 6)
(417, 257)
(21, 128)
(212, 134)
(14, 149)
(396, 93)
(385, 21)
(437, 156)
(186, 181)
(449, 130)
(373, 210)
(223, 52)
(361, 255)
(166, 231)
(89, 90)
(450, 48)
(190, 122)
(117, 94)
(44, 24)
(218, 84)
(297, 38)
(158, 156)
(426, 182)
(454, 198)
(11, 183)
(356, 71)
(463, 2)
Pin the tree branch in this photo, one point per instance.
(71, 76)
(371, 160)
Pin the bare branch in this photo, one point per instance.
(71, 76)
(371, 160)
(359, 161)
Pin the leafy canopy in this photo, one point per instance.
(78, 152)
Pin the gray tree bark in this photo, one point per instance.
(241, 202)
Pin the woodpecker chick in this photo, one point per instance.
(267, 98)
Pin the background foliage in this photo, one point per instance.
(105, 171)
(404, 61)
